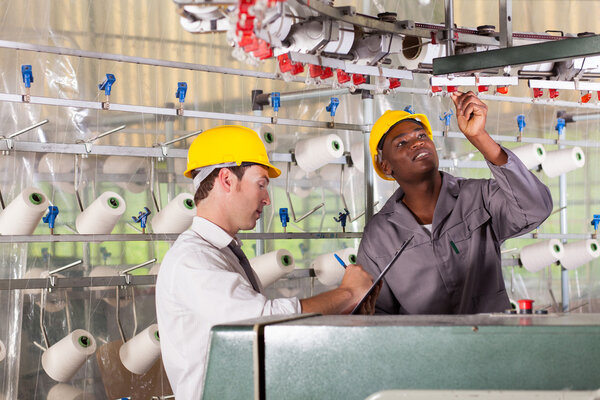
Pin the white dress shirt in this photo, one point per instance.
(201, 284)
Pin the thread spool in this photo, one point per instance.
(102, 215)
(63, 391)
(140, 353)
(62, 360)
(128, 166)
(531, 155)
(176, 216)
(268, 137)
(535, 257)
(312, 154)
(415, 53)
(579, 253)
(24, 213)
(357, 152)
(107, 271)
(2, 351)
(272, 266)
(328, 270)
(562, 161)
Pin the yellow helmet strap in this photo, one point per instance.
(204, 172)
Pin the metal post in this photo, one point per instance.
(260, 224)
(562, 196)
(367, 99)
(449, 9)
(506, 38)
(169, 134)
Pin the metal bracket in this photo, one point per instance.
(287, 193)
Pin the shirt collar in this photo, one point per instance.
(212, 233)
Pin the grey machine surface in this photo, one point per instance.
(351, 357)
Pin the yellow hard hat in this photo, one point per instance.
(383, 125)
(225, 144)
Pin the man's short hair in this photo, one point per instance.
(208, 183)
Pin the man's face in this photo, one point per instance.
(408, 153)
(250, 196)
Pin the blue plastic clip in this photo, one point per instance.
(596, 221)
(447, 117)
(50, 217)
(105, 254)
(409, 109)
(276, 101)
(333, 105)
(521, 123)
(27, 73)
(342, 217)
(107, 84)
(560, 126)
(142, 217)
(181, 91)
(284, 217)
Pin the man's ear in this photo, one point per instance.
(385, 166)
(225, 179)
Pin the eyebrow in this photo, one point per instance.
(420, 128)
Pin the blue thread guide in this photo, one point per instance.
(339, 260)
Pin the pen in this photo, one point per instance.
(339, 260)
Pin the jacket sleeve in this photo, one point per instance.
(386, 302)
(516, 199)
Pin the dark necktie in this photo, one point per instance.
(245, 264)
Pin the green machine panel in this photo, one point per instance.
(352, 357)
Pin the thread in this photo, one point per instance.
(102, 215)
(415, 53)
(562, 161)
(24, 213)
(300, 184)
(107, 271)
(272, 266)
(535, 257)
(56, 163)
(357, 152)
(176, 216)
(62, 360)
(126, 165)
(328, 270)
(63, 391)
(140, 353)
(579, 253)
(531, 155)
(312, 154)
(2, 351)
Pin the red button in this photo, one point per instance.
(525, 306)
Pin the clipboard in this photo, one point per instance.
(382, 274)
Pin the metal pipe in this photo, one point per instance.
(117, 129)
(309, 94)
(369, 172)
(562, 200)
(56, 271)
(449, 23)
(126, 271)
(180, 138)
(260, 224)
(22, 131)
(118, 314)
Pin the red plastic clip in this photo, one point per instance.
(327, 73)
(358, 79)
(451, 89)
(264, 50)
(537, 92)
(342, 76)
(433, 37)
(436, 89)
(482, 88)
(586, 97)
(297, 68)
(314, 70)
(253, 45)
(553, 93)
(285, 64)
(394, 83)
(502, 89)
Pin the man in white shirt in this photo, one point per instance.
(205, 279)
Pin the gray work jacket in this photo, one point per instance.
(455, 268)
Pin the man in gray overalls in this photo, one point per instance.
(452, 265)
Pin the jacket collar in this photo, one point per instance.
(398, 214)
